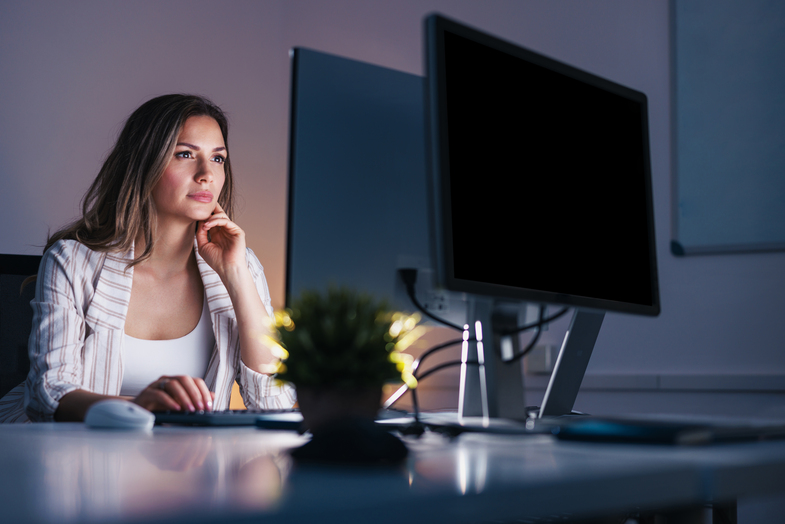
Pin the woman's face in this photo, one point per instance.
(189, 187)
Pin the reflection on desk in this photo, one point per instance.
(68, 473)
(65, 472)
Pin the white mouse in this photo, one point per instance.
(119, 414)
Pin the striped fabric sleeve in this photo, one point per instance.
(257, 272)
(259, 390)
(264, 391)
(12, 406)
(56, 342)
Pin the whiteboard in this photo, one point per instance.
(728, 66)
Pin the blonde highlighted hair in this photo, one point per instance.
(118, 206)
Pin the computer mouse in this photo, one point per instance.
(118, 414)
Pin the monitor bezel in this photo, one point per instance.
(439, 169)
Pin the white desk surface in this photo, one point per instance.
(69, 473)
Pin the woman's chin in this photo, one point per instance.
(200, 217)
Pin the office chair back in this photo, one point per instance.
(16, 318)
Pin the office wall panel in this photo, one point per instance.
(728, 125)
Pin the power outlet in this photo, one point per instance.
(436, 301)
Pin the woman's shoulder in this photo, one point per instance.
(72, 256)
(71, 250)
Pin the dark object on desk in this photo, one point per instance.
(229, 417)
(352, 441)
(642, 431)
(16, 318)
(322, 405)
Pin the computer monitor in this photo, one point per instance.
(540, 188)
(358, 206)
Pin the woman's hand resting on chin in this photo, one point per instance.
(180, 393)
(221, 243)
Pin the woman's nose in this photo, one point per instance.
(203, 172)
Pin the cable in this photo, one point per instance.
(528, 348)
(415, 404)
(447, 365)
(409, 277)
(538, 326)
(540, 322)
(416, 365)
(439, 347)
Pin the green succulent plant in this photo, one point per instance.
(343, 339)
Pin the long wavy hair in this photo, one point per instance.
(119, 206)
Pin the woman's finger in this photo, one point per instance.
(176, 389)
(220, 221)
(177, 393)
(218, 215)
(207, 397)
(201, 235)
(161, 398)
(194, 390)
(155, 397)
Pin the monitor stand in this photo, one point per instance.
(494, 388)
(571, 364)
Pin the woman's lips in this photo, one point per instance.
(202, 196)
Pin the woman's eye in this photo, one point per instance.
(183, 154)
(219, 159)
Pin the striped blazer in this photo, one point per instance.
(81, 301)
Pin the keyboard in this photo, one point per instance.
(229, 417)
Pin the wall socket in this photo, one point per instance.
(436, 301)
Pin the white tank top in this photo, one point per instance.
(146, 360)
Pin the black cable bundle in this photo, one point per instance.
(409, 278)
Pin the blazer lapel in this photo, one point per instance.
(105, 316)
(218, 300)
(225, 358)
(109, 306)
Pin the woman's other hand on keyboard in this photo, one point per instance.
(176, 393)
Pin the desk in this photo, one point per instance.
(68, 473)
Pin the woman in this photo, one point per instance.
(152, 294)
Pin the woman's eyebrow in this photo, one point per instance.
(197, 148)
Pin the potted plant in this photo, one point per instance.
(338, 349)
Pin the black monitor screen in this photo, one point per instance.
(542, 177)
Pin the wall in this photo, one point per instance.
(71, 73)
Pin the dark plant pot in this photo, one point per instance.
(343, 428)
(321, 406)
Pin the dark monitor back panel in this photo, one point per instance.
(357, 183)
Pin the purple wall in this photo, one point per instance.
(71, 72)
